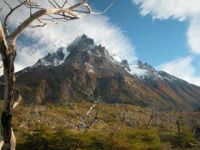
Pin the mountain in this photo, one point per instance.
(84, 71)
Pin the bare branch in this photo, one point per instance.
(75, 5)
(44, 12)
(27, 22)
(64, 3)
(3, 43)
(30, 7)
(79, 115)
(100, 13)
(66, 13)
(92, 107)
(57, 4)
(17, 101)
(51, 3)
(36, 26)
(9, 6)
(64, 16)
(1, 66)
(89, 118)
(8, 15)
(39, 25)
(1, 144)
(73, 15)
(88, 7)
(90, 10)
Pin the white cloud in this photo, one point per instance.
(182, 68)
(193, 35)
(181, 10)
(25, 57)
(96, 27)
(53, 36)
(176, 9)
(165, 9)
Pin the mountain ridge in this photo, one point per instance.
(85, 70)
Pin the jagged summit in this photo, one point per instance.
(52, 59)
(83, 50)
(82, 41)
(84, 70)
(96, 58)
(145, 66)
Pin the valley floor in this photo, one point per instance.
(88, 126)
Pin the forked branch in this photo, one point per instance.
(57, 10)
(3, 43)
(88, 119)
(9, 14)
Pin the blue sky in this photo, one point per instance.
(161, 42)
(151, 38)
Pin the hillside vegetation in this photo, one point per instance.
(108, 127)
(88, 70)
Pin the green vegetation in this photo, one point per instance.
(124, 139)
(118, 127)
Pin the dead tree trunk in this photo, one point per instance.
(6, 117)
(8, 53)
(8, 49)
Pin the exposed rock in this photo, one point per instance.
(124, 63)
(85, 70)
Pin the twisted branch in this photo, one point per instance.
(9, 14)
(83, 119)
(65, 12)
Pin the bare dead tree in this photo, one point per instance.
(17, 99)
(179, 124)
(152, 116)
(38, 17)
(1, 64)
(91, 116)
(122, 117)
(127, 118)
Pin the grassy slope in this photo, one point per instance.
(119, 127)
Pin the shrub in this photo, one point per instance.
(124, 139)
(184, 139)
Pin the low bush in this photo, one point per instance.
(123, 139)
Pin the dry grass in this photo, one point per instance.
(123, 127)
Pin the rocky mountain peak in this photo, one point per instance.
(145, 66)
(85, 68)
(81, 50)
(81, 44)
(52, 59)
(86, 53)
(84, 50)
(125, 65)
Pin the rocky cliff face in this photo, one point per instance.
(85, 70)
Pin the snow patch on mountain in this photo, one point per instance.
(53, 59)
(136, 70)
(85, 49)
